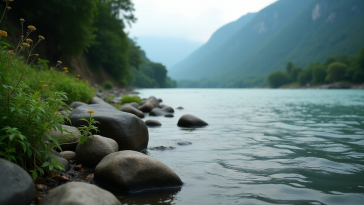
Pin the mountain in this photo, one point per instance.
(288, 30)
(216, 40)
(167, 51)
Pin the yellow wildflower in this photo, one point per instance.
(52, 86)
(90, 111)
(3, 33)
(41, 38)
(41, 81)
(78, 75)
(58, 113)
(26, 44)
(36, 54)
(8, 7)
(29, 40)
(66, 71)
(22, 20)
(32, 28)
(65, 68)
(10, 52)
(45, 85)
(39, 59)
(59, 62)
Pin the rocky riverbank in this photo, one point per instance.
(325, 86)
(115, 160)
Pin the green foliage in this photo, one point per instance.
(77, 90)
(109, 98)
(336, 71)
(87, 130)
(277, 79)
(130, 98)
(318, 74)
(108, 85)
(237, 82)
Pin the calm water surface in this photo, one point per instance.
(261, 147)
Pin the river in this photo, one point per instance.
(262, 146)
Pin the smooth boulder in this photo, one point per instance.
(67, 140)
(16, 187)
(97, 100)
(94, 150)
(77, 104)
(149, 104)
(168, 109)
(134, 171)
(79, 193)
(128, 130)
(130, 109)
(153, 123)
(191, 121)
(158, 112)
(68, 155)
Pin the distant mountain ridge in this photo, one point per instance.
(288, 30)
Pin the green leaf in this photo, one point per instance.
(30, 152)
(34, 174)
(45, 164)
(51, 167)
(40, 170)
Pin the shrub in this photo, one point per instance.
(76, 89)
(130, 98)
(108, 85)
(277, 79)
(336, 71)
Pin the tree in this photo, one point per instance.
(277, 79)
(304, 77)
(336, 71)
(318, 74)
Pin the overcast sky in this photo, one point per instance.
(193, 20)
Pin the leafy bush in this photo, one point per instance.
(277, 79)
(108, 85)
(76, 89)
(130, 98)
(336, 71)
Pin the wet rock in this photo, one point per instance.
(153, 123)
(191, 121)
(168, 115)
(133, 171)
(157, 112)
(130, 109)
(162, 148)
(149, 104)
(65, 112)
(168, 109)
(16, 185)
(77, 104)
(66, 165)
(68, 155)
(115, 101)
(184, 143)
(129, 131)
(180, 108)
(37, 199)
(40, 186)
(160, 100)
(94, 150)
(66, 140)
(134, 104)
(81, 194)
(90, 176)
(63, 178)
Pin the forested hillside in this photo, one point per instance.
(88, 36)
(288, 30)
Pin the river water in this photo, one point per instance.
(262, 146)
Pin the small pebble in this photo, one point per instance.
(63, 178)
(78, 168)
(179, 108)
(90, 176)
(168, 115)
(40, 186)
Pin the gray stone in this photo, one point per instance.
(157, 112)
(64, 162)
(66, 140)
(153, 123)
(180, 108)
(168, 109)
(149, 104)
(77, 104)
(130, 109)
(68, 155)
(134, 104)
(129, 131)
(79, 193)
(97, 100)
(94, 150)
(184, 143)
(168, 115)
(191, 121)
(134, 171)
(16, 185)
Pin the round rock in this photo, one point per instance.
(77, 104)
(16, 187)
(130, 109)
(149, 104)
(157, 112)
(128, 130)
(94, 150)
(153, 123)
(191, 121)
(66, 140)
(79, 193)
(134, 171)
(168, 115)
(68, 155)
(184, 143)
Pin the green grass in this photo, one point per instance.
(130, 98)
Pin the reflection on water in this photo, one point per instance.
(261, 147)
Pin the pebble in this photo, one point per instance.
(40, 186)
(63, 178)
(78, 168)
